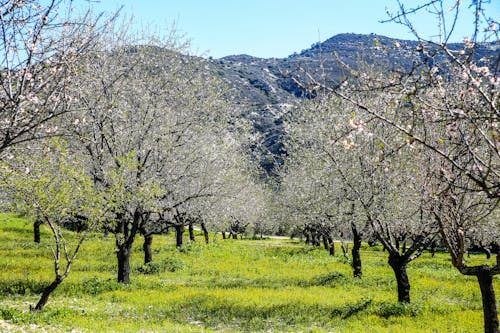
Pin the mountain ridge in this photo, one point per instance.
(266, 89)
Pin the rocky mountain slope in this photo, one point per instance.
(267, 89)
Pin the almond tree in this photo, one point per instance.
(153, 126)
(50, 184)
(358, 170)
(124, 106)
(305, 201)
(200, 177)
(450, 98)
(41, 43)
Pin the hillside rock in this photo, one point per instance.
(267, 89)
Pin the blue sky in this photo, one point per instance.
(273, 28)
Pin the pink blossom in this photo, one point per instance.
(468, 43)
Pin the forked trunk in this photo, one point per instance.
(46, 293)
(398, 265)
(148, 254)
(485, 279)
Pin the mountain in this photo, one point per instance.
(266, 89)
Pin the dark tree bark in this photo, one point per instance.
(433, 249)
(179, 231)
(356, 257)
(235, 235)
(332, 246)
(46, 293)
(485, 279)
(146, 246)
(398, 265)
(487, 252)
(123, 256)
(223, 235)
(205, 232)
(36, 230)
(125, 235)
(316, 239)
(326, 243)
(191, 233)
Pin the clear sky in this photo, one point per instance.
(274, 28)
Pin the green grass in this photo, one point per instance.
(229, 286)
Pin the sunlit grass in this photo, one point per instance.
(243, 285)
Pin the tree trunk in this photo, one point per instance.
(148, 254)
(398, 265)
(123, 256)
(205, 232)
(36, 230)
(433, 249)
(485, 279)
(488, 253)
(191, 233)
(345, 249)
(356, 258)
(326, 243)
(46, 293)
(235, 235)
(179, 230)
(316, 239)
(332, 246)
(223, 235)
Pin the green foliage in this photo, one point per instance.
(350, 309)
(21, 287)
(396, 309)
(166, 265)
(11, 314)
(50, 183)
(329, 279)
(95, 286)
(232, 286)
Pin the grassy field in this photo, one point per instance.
(229, 286)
